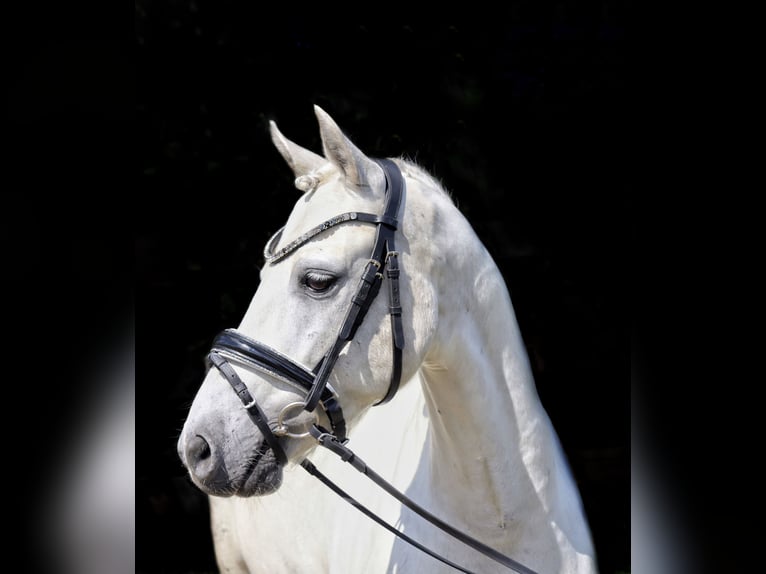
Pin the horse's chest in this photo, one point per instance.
(313, 531)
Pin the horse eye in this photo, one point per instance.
(318, 282)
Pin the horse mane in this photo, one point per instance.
(412, 169)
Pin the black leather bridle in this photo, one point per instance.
(231, 345)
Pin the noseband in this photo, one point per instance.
(230, 345)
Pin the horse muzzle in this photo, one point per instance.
(220, 473)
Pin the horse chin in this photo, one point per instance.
(258, 475)
(265, 478)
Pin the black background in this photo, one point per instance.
(522, 113)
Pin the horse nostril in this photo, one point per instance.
(204, 464)
(197, 450)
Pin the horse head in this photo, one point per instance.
(309, 282)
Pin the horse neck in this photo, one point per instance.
(494, 458)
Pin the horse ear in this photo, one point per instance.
(356, 167)
(300, 160)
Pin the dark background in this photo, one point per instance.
(522, 115)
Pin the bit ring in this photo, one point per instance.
(283, 430)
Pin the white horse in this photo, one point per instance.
(466, 436)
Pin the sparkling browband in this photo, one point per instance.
(272, 257)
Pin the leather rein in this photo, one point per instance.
(231, 345)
